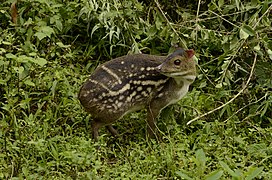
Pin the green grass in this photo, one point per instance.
(67, 152)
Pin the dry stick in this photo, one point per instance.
(230, 101)
(168, 22)
(197, 16)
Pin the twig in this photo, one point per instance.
(224, 19)
(168, 22)
(230, 101)
(197, 17)
(267, 11)
(205, 75)
(246, 106)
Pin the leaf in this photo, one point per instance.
(60, 44)
(200, 158)
(253, 172)
(44, 31)
(265, 7)
(219, 85)
(40, 35)
(243, 34)
(182, 175)
(220, 3)
(237, 2)
(47, 30)
(214, 175)
(40, 61)
(3, 82)
(19, 69)
(11, 56)
(269, 53)
(248, 30)
(29, 82)
(97, 26)
(227, 168)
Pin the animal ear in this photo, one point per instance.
(190, 53)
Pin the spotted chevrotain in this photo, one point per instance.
(133, 82)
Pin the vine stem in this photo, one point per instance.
(230, 101)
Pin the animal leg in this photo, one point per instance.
(95, 127)
(112, 130)
(151, 122)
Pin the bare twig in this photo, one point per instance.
(197, 16)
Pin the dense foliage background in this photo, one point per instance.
(48, 49)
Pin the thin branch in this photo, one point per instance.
(224, 19)
(205, 75)
(197, 14)
(267, 11)
(246, 106)
(169, 23)
(230, 101)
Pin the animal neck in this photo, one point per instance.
(184, 80)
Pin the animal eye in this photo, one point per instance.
(177, 62)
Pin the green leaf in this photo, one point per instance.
(219, 85)
(227, 168)
(97, 26)
(269, 53)
(220, 3)
(40, 61)
(214, 175)
(265, 6)
(2, 81)
(47, 30)
(237, 2)
(200, 158)
(248, 30)
(10, 56)
(253, 172)
(60, 44)
(182, 175)
(29, 82)
(44, 31)
(243, 34)
(40, 35)
(19, 69)
(6, 43)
